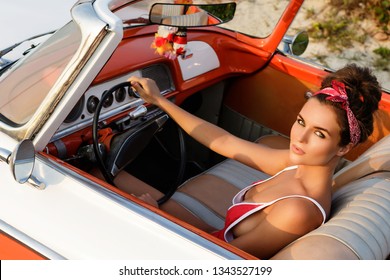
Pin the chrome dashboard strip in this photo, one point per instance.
(88, 122)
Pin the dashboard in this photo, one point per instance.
(201, 58)
(122, 99)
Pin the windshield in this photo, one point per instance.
(256, 18)
(27, 83)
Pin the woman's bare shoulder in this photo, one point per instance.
(296, 215)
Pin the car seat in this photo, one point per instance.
(359, 224)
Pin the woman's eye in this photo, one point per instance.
(301, 122)
(320, 134)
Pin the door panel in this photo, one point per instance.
(273, 97)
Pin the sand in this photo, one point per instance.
(359, 53)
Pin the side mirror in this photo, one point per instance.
(296, 45)
(21, 160)
(191, 15)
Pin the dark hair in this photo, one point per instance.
(364, 94)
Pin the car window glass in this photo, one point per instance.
(134, 14)
(24, 87)
(256, 18)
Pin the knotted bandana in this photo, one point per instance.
(337, 93)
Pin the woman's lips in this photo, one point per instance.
(297, 150)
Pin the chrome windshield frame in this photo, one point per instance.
(101, 32)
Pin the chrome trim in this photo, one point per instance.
(306, 61)
(88, 122)
(29, 242)
(4, 155)
(36, 183)
(87, 46)
(103, 9)
(99, 53)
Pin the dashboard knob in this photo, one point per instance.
(138, 112)
(92, 103)
(133, 93)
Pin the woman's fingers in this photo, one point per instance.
(146, 88)
(146, 197)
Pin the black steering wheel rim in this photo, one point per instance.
(99, 157)
(95, 129)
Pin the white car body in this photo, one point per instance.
(72, 217)
(239, 80)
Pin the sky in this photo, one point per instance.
(20, 19)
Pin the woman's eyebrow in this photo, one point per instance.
(316, 127)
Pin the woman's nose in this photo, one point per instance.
(303, 135)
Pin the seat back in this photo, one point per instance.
(376, 158)
(359, 226)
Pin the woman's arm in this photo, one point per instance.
(217, 139)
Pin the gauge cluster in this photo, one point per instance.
(123, 99)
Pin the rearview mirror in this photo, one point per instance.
(192, 15)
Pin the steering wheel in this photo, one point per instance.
(126, 146)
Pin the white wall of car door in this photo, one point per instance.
(82, 222)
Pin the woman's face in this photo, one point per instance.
(315, 135)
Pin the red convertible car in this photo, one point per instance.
(74, 134)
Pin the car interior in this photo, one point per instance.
(114, 138)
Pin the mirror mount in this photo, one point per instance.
(191, 15)
(4, 155)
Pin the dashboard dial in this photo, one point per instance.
(108, 101)
(92, 103)
(133, 93)
(120, 94)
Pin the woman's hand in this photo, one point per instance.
(146, 88)
(146, 197)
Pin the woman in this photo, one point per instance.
(268, 215)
